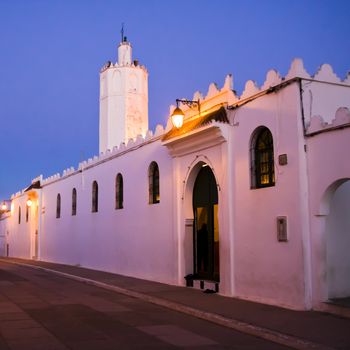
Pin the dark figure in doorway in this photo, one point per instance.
(202, 249)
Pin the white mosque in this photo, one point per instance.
(247, 195)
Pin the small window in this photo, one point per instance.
(19, 214)
(27, 213)
(94, 207)
(119, 192)
(153, 183)
(262, 159)
(74, 202)
(58, 206)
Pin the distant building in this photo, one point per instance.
(250, 196)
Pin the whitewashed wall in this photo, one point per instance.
(329, 173)
(19, 234)
(187, 168)
(155, 241)
(267, 270)
(3, 232)
(136, 240)
(338, 243)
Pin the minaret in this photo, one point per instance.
(123, 99)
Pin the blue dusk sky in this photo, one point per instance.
(52, 51)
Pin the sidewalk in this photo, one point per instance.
(296, 329)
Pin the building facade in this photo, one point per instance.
(250, 196)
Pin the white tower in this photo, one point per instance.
(123, 99)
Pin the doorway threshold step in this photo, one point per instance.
(206, 285)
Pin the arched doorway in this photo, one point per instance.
(338, 243)
(206, 228)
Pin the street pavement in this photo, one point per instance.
(40, 308)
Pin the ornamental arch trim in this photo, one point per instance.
(324, 206)
(189, 180)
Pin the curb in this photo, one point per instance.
(243, 327)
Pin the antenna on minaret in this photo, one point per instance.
(122, 32)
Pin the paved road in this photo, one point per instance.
(39, 310)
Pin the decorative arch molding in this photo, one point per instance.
(332, 262)
(200, 158)
(324, 206)
(189, 180)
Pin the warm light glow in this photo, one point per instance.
(177, 118)
(3, 206)
(29, 203)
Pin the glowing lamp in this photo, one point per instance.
(29, 203)
(177, 117)
(3, 206)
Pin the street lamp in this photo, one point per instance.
(29, 203)
(177, 117)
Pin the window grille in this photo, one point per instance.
(27, 213)
(58, 206)
(262, 159)
(94, 208)
(153, 183)
(119, 192)
(74, 202)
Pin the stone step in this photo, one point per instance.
(206, 285)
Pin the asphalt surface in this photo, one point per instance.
(41, 310)
(302, 330)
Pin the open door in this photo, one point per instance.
(206, 230)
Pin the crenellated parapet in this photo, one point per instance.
(215, 97)
(134, 64)
(51, 178)
(226, 95)
(340, 120)
(36, 182)
(273, 78)
(129, 146)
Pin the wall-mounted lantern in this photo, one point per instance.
(177, 117)
(5, 206)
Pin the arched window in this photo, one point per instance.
(27, 213)
(119, 191)
(58, 206)
(19, 214)
(74, 201)
(262, 159)
(153, 183)
(94, 207)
